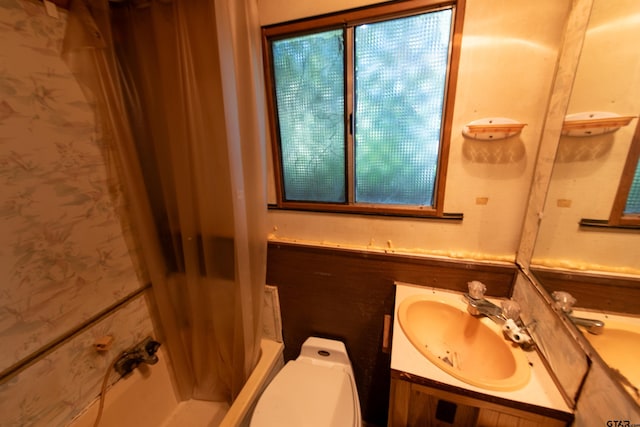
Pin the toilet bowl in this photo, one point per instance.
(315, 390)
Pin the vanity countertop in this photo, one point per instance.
(540, 391)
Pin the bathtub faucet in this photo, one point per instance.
(143, 352)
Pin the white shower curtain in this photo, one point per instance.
(179, 90)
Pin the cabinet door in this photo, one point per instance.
(416, 405)
(429, 410)
(496, 418)
(412, 405)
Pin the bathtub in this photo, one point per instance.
(146, 398)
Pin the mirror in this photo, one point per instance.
(600, 267)
(587, 170)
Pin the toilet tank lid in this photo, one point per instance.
(304, 394)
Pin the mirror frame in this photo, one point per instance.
(567, 67)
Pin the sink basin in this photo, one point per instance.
(619, 347)
(471, 349)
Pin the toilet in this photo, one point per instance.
(315, 390)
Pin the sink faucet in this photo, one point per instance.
(564, 301)
(479, 306)
(507, 316)
(484, 307)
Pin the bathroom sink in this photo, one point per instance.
(619, 347)
(470, 349)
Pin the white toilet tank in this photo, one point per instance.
(315, 390)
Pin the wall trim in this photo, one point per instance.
(602, 292)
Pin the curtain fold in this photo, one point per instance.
(178, 88)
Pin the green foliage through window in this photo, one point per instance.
(401, 69)
(309, 83)
(359, 109)
(633, 200)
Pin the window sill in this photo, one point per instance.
(446, 216)
(603, 224)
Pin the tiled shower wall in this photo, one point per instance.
(63, 258)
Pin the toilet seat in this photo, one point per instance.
(304, 394)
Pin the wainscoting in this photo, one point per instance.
(604, 292)
(345, 294)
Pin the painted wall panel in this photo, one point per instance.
(507, 65)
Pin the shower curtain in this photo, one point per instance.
(179, 96)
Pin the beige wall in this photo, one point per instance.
(508, 58)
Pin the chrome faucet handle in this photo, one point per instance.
(564, 301)
(476, 289)
(511, 309)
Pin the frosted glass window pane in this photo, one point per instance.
(401, 68)
(633, 200)
(309, 83)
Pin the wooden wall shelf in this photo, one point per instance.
(492, 128)
(593, 123)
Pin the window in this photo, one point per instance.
(360, 106)
(626, 205)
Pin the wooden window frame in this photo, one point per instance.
(351, 18)
(618, 217)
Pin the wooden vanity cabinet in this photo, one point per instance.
(416, 401)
